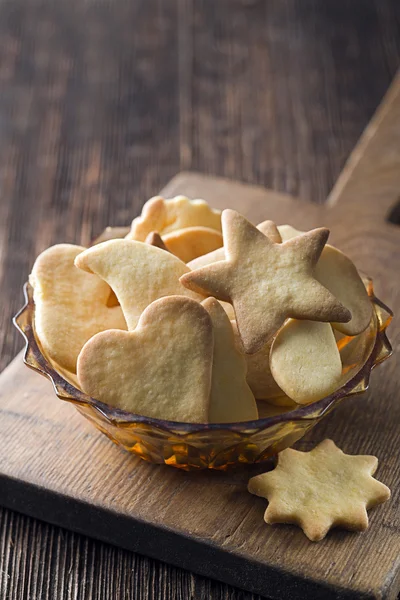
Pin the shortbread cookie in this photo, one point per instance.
(112, 299)
(231, 398)
(137, 272)
(191, 242)
(305, 360)
(70, 305)
(320, 489)
(259, 376)
(162, 369)
(342, 340)
(268, 228)
(155, 239)
(339, 275)
(165, 216)
(228, 308)
(267, 282)
(287, 232)
(207, 259)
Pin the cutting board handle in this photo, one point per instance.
(369, 185)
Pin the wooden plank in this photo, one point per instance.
(272, 92)
(59, 469)
(56, 468)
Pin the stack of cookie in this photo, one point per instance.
(195, 315)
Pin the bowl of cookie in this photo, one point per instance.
(198, 340)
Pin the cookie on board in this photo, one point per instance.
(320, 489)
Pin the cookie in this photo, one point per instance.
(305, 360)
(112, 300)
(228, 308)
(165, 216)
(162, 369)
(191, 242)
(268, 228)
(70, 305)
(320, 489)
(155, 239)
(267, 282)
(137, 272)
(259, 376)
(231, 399)
(207, 259)
(287, 232)
(339, 275)
(342, 340)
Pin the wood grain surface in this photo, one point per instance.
(56, 468)
(100, 104)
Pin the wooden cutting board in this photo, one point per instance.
(56, 467)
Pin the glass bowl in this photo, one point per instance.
(214, 446)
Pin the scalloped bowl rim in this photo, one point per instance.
(120, 417)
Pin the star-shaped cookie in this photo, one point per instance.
(320, 489)
(267, 282)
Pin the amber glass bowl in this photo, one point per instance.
(192, 446)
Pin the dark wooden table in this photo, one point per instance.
(100, 104)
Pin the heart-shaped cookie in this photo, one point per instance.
(137, 272)
(162, 369)
(164, 216)
(70, 305)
